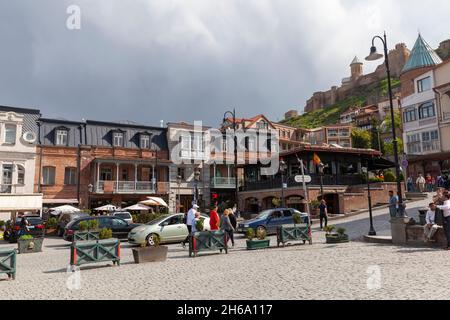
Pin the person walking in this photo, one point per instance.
(226, 226)
(233, 218)
(214, 220)
(421, 183)
(189, 220)
(446, 211)
(393, 204)
(323, 214)
(429, 183)
(410, 184)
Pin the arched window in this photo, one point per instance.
(427, 110)
(20, 175)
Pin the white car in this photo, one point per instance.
(124, 215)
(168, 229)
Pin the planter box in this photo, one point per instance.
(258, 244)
(207, 241)
(86, 236)
(150, 254)
(86, 252)
(8, 262)
(335, 238)
(299, 232)
(30, 246)
(51, 232)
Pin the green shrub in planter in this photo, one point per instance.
(297, 218)
(83, 226)
(2, 224)
(260, 243)
(26, 237)
(199, 225)
(261, 234)
(52, 223)
(105, 234)
(341, 231)
(28, 244)
(93, 225)
(250, 234)
(389, 176)
(329, 229)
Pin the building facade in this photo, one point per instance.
(18, 136)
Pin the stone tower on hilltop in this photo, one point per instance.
(356, 69)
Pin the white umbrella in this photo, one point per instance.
(64, 209)
(138, 207)
(108, 207)
(154, 201)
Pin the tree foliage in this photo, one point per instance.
(361, 139)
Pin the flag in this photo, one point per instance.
(316, 159)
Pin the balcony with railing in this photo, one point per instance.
(223, 183)
(131, 187)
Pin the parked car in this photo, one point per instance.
(36, 228)
(66, 218)
(120, 228)
(269, 220)
(124, 215)
(168, 228)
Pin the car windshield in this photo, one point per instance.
(264, 214)
(33, 221)
(122, 215)
(158, 220)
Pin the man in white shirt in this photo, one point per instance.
(421, 183)
(446, 211)
(431, 227)
(190, 219)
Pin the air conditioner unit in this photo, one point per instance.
(29, 137)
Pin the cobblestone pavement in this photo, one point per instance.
(319, 271)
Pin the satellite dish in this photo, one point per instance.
(29, 137)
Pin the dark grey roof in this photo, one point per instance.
(48, 129)
(20, 110)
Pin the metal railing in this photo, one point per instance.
(223, 183)
(125, 187)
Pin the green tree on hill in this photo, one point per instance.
(361, 139)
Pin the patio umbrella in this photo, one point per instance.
(138, 207)
(108, 207)
(63, 209)
(154, 201)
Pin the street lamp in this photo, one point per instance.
(196, 180)
(179, 180)
(90, 190)
(283, 168)
(236, 191)
(374, 55)
(372, 231)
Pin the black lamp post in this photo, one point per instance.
(236, 191)
(374, 55)
(372, 231)
(196, 180)
(179, 180)
(283, 168)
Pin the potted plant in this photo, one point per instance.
(29, 244)
(261, 241)
(105, 234)
(297, 232)
(336, 237)
(50, 226)
(155, 253)
(83, 226)
(88, 230)
(199, 225)
(2, 225)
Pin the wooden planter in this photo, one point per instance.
(51, 232)
(8, 262)
(150, 254)
(299, 232)
(86, 236)
(258, 244)
(335, 238)
(207, 241)
(30, 246)
(87, 252)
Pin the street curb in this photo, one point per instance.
(378, 239)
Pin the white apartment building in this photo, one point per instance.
(18, 135)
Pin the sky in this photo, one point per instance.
(186, 60)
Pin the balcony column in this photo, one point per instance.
(153, 178)
(97, 183)
(117, 176)
(135, 176)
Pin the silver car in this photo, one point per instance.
(167, 229)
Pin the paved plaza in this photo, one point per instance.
(356, 270)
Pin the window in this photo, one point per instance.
(427, 110)
(10, 133)
(48, 176)
(430, 141)
(117, 139)
(181, 173)
(262, 125)
(413, 143)
(62, 137)
(70, 176)
(20, 175)
(106, 174)
(424, 84)
(410, 115)
(144, 141)
(332, 133)
(124, 175)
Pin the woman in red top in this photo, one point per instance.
(214, 219)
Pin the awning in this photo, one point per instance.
(108, 207)
(154, 201)
(138, 207)
(60, 201)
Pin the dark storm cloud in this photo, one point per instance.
(190, 60)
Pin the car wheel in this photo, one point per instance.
(261, 229)
(152, 239)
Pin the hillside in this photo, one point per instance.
(362, 96)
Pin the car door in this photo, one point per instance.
(288, 217)
(276, 219)
(173, 229)
(119, 227)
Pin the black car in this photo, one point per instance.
(120, 228)
(36, 228)
(66, 218)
